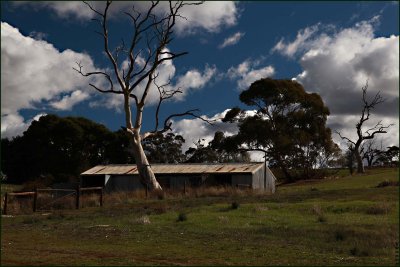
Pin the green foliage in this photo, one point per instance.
(290, 125)
(220, 149)
(164, 148)
(61, 147)
(389, 157)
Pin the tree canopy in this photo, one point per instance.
(289, 125)
(61, 147)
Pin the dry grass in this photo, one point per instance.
(379, 209)
(198, 192)
(18, 204)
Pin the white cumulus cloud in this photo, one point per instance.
(68, 101)
(192, 80)
(232, 40)
(34, 72)
(193, 129)
(247, 72)
(337, 63)
(210, 15)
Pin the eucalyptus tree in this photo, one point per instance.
(288, 126)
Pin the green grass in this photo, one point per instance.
(343, 221)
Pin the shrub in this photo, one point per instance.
(41, 182)
(182, 217)
(378, 209)
(355, 251)
(387, 183)
(340, 236)
(322, 218)
(235, 205)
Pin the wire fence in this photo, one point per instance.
(47, 199)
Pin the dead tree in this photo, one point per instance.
(152, 32)
(368, 134)
(369, 151)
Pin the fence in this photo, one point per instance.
(36, 193)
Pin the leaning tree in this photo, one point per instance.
(147, 50)
(368, 134)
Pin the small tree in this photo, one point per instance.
(369, 151)
(147, 50)
(368, 134)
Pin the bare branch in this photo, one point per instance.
(168, 123)
(163, 95)
(345, 138)
(111, 90)
(94, 10)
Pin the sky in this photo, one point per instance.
(331, 48)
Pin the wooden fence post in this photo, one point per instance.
(78, 193)
(35, 197)
(5, 203)
(101, 197)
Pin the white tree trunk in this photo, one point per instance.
(145, 172)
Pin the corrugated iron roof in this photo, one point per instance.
(178, 168)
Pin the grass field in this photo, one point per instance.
(342, 221)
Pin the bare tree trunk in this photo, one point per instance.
(146, 174)
(370, 159)
(360, 165)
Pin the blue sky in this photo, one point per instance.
(332, 48)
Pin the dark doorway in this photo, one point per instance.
(219, 179)
(92, 181)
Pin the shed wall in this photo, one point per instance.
(244, 179)
(123, 183)
(132, 182)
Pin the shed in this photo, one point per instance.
(126, 178)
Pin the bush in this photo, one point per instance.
(235, 205)
(182, 217)
(41, 182)
(387, 183)
(322, 218)
(378, 209)
(340, 236)
(355, 251)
